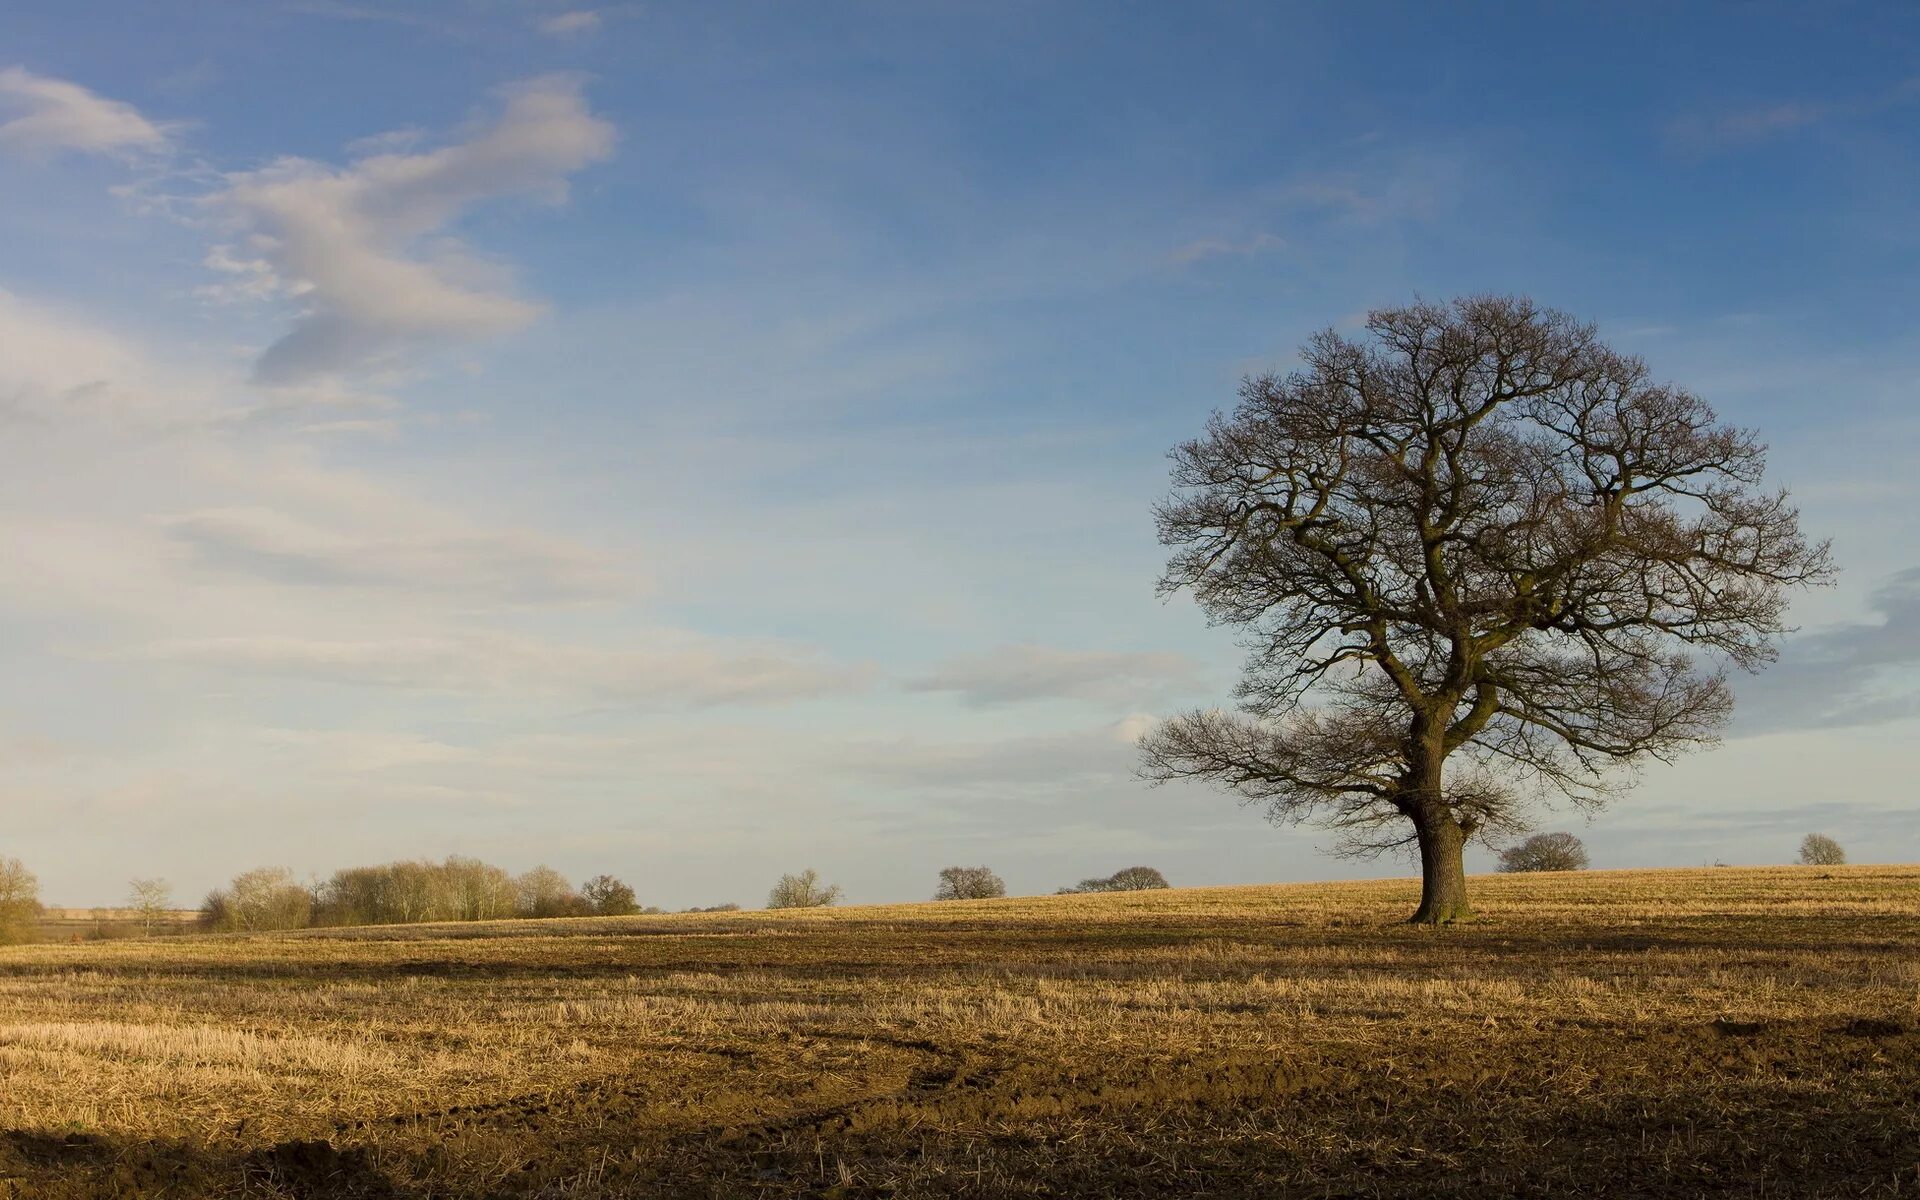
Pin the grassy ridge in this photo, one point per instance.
(1729, 1031)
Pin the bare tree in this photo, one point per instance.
(545, 892)
(265, 898)
(1819, 850)
(1545, 852)
(1127, 879)
(608, 897)
(151, 898)
(19, 901)
(803, 891)
(969, 883)
(1476, 537)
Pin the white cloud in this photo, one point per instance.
(1009, 674)
(1105, 753)
(58, 115)
(364, 252)
(669, 668)
(569, 24)
(1204, 248)
(57, 370)
(477, 563)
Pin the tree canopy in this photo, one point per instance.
(1476, 534)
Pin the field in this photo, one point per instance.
(1742, 1032)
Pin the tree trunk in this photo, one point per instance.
(1443, 873)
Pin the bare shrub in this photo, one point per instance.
(1819, 850)
(151, 898)
(19, 901)
(265, 898)
(608, 897)
(803, 891)
(545, 892)
(1127, 879)
(969, 883)
(1545, 852)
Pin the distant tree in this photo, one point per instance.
(803, 891)
(545, 892)
(1545, 852)
(265, 898)
(1819, 850)
(728, 907)
(479, 891)
(608, 897)
(1472, 552)
(969, 883)
(1127, 879)
(19, 901)
(151, 898)
(1135, 879)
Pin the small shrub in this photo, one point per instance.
(263, 899)
(1127, 879)
(803, 891)
(1545, 852)
(969, 883)
(608, 897)
(19, 901)
(1819, 850)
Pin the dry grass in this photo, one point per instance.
(1723, 1031)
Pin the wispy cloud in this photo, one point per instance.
(1859, 673)
(669, 668)
(365, 252)
(1205, 248)
(478, 564)
(58, 115)
(1735, 127)
(570, 24)
(1011, 674)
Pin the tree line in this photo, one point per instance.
(466, 889)
(408, 892)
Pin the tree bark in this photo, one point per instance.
(1443, 873)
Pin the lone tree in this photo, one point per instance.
(19, 901)
(151, 899)
(1127, 879)
(1477, 536)
(969, 883)
(803, 891)
(609, 897)
(1819, 850)
(1545, 852)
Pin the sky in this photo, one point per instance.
(701, 441)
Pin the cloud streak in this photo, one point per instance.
(1860, 673)
(58, 115)
(1015, 674)
(366, 252)
(483, 564)
(672, 669)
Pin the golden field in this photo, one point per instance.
(1723, 1031)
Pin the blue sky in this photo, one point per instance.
(700, 441)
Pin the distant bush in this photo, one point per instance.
(1127, 879)
(803, 891)
(151, 899)
(608, 897)
(396, 893)
(265, 898)
(545, 892)
(1819, 850)
(1545, 852)
(19, 901)
(969, 883)
(715, 908)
